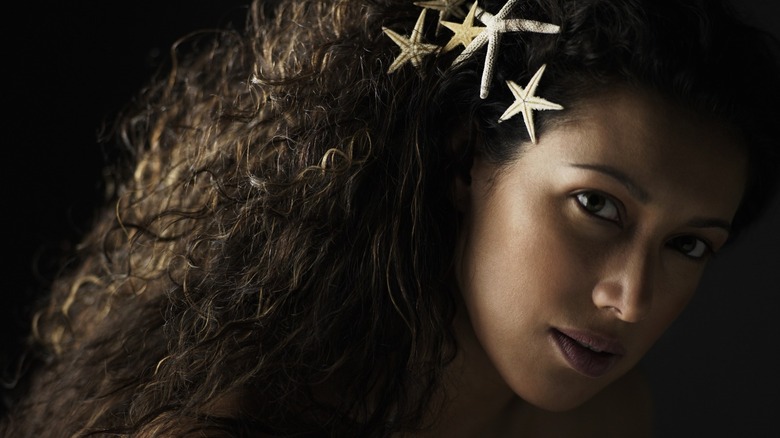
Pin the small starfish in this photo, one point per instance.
(496, 26)
(525, 102)
(463, 33)
(412, 48)
(446, 9)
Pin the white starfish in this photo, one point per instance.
(412, 48)
(463, 33)
(497, 25)
(526, 102)
(446, 8)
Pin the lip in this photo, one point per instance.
(579, 349)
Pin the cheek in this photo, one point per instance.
(516, 267)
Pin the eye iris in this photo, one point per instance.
(592, 201)
(686, 244)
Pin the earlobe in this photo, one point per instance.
(473, 180)
(461, 187)
(462, 152)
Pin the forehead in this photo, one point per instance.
(661, 145)
(654, 127)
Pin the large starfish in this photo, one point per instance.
(463, 33)
(446, 8)
(412, 48)
(526, 102)
(497, 25)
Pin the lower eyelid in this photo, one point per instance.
(615, 204)
(708, 249)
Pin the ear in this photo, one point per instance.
(461, 144)
(460, 192)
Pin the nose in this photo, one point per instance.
(625, 286)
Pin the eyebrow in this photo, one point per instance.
(636, 191)
(711, 223)
(642, 195)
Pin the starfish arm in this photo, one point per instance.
(496, 26)
(512, 111)
(402, 59)
(461, 38)
(506, 9)
(475, 44)
(446, 8)
(454, 27)
(456, 8)
(463, 33)
(397, 38)
(534, 82)
(523, 25)
(418, 28)
(412, 48)
(458, 37)
(420, 51)
(442, 16)
(517, 90)
(484, 16)
(405, 46)
(528, 119)
(451, 44)
(469, 18)
(539, 103)
(525, 103)
(490, 63)
(520, 101)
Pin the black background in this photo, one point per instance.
(69, 68)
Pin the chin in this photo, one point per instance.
(559, 404)
(560, 397)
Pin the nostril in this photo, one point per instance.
(630, 304)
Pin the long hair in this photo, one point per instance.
(275, 254)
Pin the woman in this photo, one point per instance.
(394, 218)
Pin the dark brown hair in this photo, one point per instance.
(275, 256)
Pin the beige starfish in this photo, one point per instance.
(496, 26)
(526, 101)
(465, 32)
(446, 8)
(412, 48)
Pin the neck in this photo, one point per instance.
(474, 400)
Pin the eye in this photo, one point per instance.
(600, 205)
(691, 246)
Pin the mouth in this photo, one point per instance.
(587, 353)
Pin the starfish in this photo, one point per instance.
(412, 48)
(446, 8)
(526, 101)
(463, 33)
(491, 35)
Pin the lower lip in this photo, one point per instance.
(583, 360)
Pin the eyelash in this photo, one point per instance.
(583, 201)
(701, 249)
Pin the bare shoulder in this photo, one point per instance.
(625, 408)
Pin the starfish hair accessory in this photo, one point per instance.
(526, 102)
(473, 37)
(413, 49)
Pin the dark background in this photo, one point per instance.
(68, 69)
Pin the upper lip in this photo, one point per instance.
(595, 341)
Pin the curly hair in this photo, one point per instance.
(276, 254)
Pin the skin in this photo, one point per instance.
(604, 226)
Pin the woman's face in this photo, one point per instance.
(573, 259)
